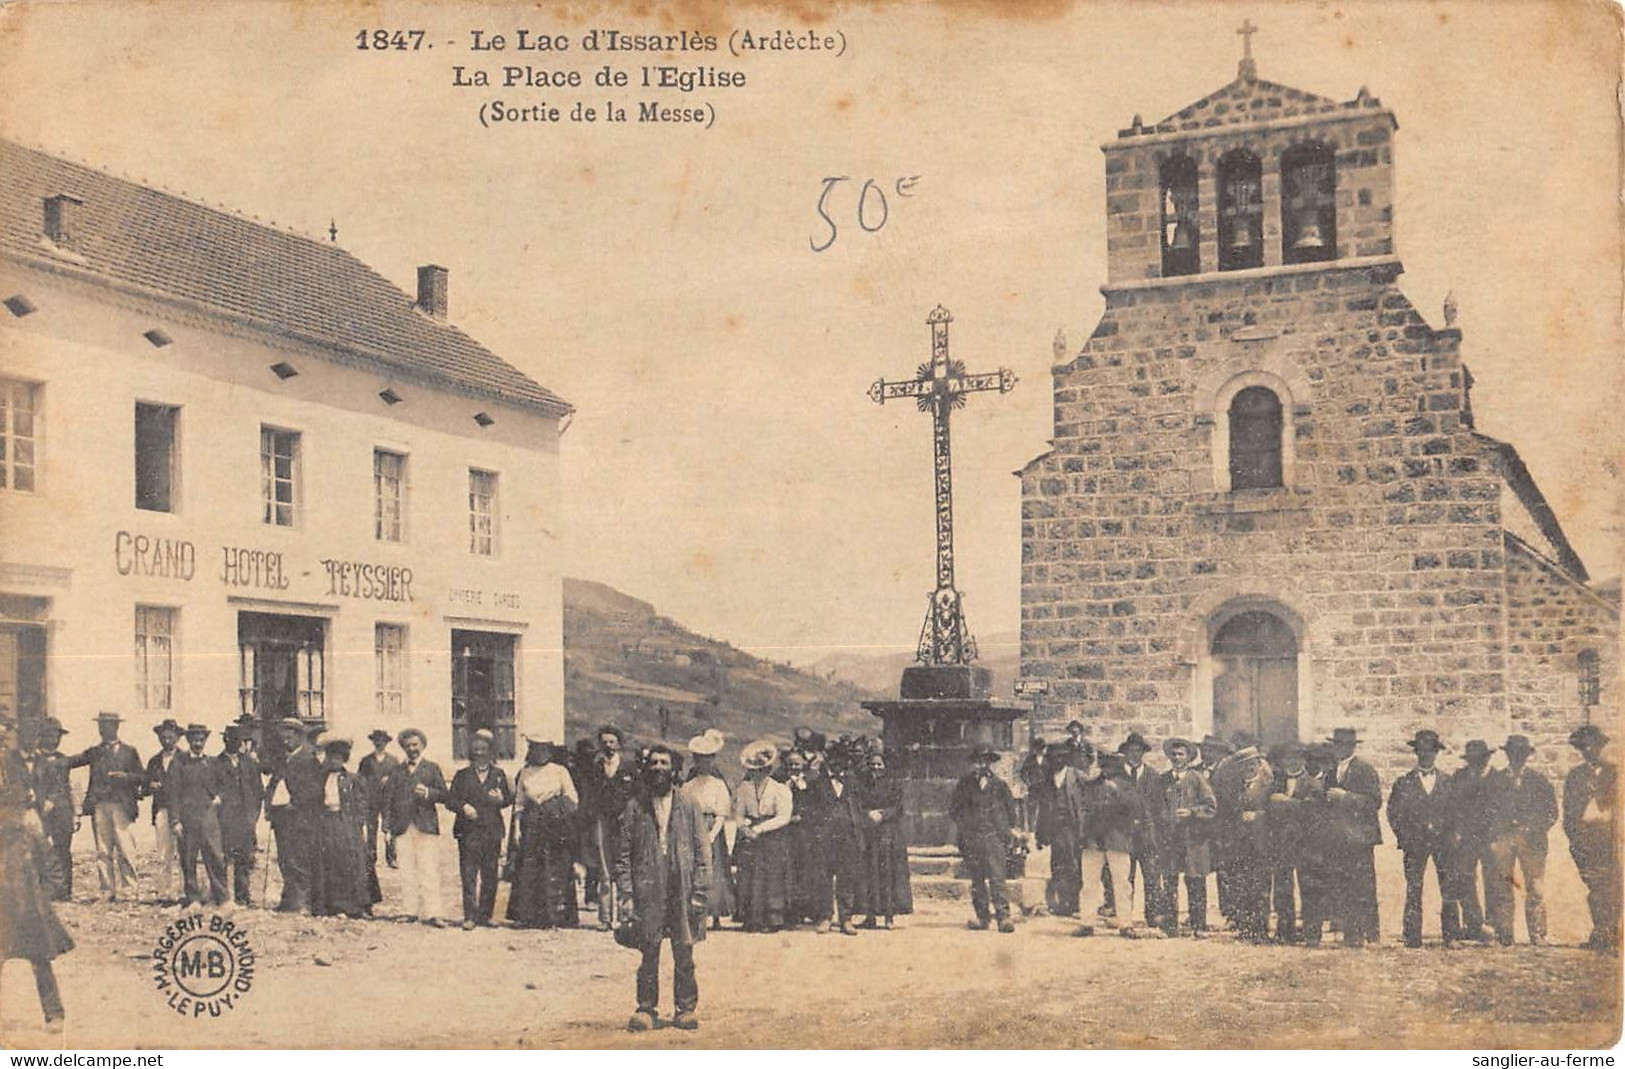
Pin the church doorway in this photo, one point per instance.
(1255, 677)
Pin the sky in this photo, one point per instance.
(724, 462)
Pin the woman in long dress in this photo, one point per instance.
(887, 892)
(339, 883)
(544, 816)
(28, 924)
(708, 790)
(762, 810)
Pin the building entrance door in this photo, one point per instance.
(22, 671)
(1255, 681)
(283, 669)
(482, 690)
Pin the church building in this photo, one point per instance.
(243, 473)
(1267, 507)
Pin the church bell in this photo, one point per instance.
(1310, 237)
(1242, 236)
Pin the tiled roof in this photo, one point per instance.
(130, 234)
(1250, 100)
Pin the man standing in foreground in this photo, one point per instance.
(1591, 820)
(663, 873)
(984, 813)
(1523, 808)
(479, 793)
(415, 796)
(116, 776)
(1353, 796)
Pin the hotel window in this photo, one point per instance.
(154, 658)
(388, 496)
(19, 434)
(279, 475)
(155, 456)
(389, 645)
(482, 512)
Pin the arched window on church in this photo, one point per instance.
(1308, 204)
(1181, 253)
(1255, 439)
(1241, 211)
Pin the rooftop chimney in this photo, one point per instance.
(62, 219)
(432, 290)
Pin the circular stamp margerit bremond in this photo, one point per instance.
(203, 965)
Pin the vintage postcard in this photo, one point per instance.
(762, 525)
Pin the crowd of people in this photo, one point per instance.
(1290, 834)
(810, 836)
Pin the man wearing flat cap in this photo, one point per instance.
(1591, 821)
(478, 795)
(1420, 812)
(116, 776)
(293, 801)
(1354, 798)
(53, 798)
(984, 814)
(1523, 808)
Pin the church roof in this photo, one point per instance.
(157, 243)
(1249, 100)
(1512, 468)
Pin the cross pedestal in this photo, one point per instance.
(945, 704)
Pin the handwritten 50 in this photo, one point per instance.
(872, 210)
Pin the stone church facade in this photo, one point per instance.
(1267, 506)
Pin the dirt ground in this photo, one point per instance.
(323, 982)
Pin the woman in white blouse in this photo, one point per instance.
(709, 791)
(762, 809)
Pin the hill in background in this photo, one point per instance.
(880, 671)
(624, 663)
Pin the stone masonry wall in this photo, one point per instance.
(1386, 543)
(1550, 620)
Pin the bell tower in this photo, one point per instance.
(1253, 176)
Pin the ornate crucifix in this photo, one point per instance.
(939, 387)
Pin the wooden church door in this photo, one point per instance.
(1255, 680)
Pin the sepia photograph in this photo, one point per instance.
(758, 525)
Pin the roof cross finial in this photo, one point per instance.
(332, 230)
(1248, 67)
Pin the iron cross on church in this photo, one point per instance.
(939, 387)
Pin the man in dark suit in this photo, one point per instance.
(1469, 854)
(1317, 877)
(845, 821)
(116, 777)
(609, 783)
(1060, 816)
(1523, 808)
(479, 793)
(194, 796)
(1295, 802)
(1143, 800)
(415, 795)
(1241, 787)
(53, 798)
(984, 814)
(1591, 821)
(663, 874)
(293, 800)
(1354, 797)
(374, 771)
(1420, 812)
(242, 793)
(163, 810)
